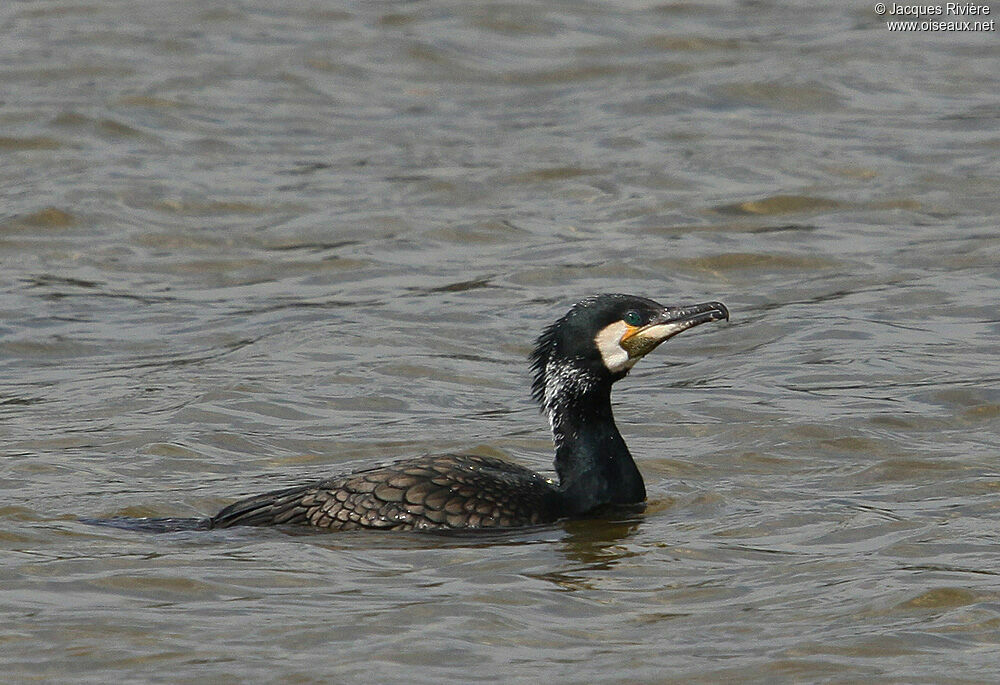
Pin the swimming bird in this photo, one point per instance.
(574, 364)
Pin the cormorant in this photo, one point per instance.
(574, 364)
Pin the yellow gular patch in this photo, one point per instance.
(629, 331)
(641, 341)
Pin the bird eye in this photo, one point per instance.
(633, 318)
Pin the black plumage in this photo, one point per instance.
(443, 491)
(574, 364)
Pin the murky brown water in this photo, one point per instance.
(245, 244)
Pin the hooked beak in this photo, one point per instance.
(668, 323)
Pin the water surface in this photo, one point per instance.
(247, 244)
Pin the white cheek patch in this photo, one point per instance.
(608, 341)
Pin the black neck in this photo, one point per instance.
(594, 465)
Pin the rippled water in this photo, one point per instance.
(249, 243)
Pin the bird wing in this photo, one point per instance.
(446, 491)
